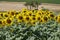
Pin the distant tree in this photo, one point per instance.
(26, 4)
(37, 4)
(33, 3)
(30, 3)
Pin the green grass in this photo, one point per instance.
(43, 1)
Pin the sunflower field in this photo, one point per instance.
(29, 25)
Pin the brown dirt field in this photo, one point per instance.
(6, 6)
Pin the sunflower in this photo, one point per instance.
(5, 15)
(32, 23)
(39, 13)
(9, 21)
(55, 18)
(34, 11)
(38, 18)
(25, 14)
(12, 13)
(58, 20)
(19, 18)
(1, 14)
(34, 15)
(27, 19)
(2, 23)
(17, 13)
(33, 18)
(45, 18)
(48, 12)
(51, 16)
(43, 13)
(24, 10)
(29, 13)
(42, 20)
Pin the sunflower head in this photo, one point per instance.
(17, 13)
(39, 13)
(1, 14)
(24, 10)
(5, 15)
(55, 18)
(45, 18)
(34, 11)
(27, 19)
(19, 18)
(41, 21)
(9, 21)
(34, 18)
(38, 18)
(58, 20)
(1, 23)
(30, 13)
(32, 23)
(12, 13)
(51, 16)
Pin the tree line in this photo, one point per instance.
(33, 3)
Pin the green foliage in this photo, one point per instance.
(45, 31)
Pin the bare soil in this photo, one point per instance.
(6, 6)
